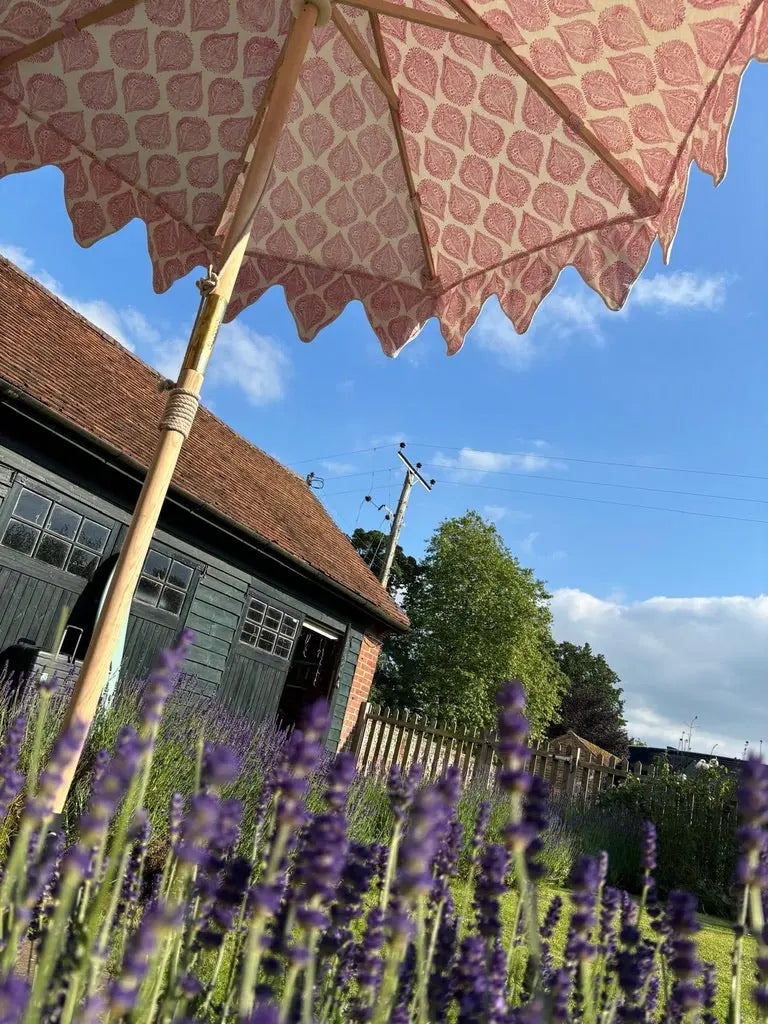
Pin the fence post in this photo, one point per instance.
(358, 732)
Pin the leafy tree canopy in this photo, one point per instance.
(371, 545)
(478, 617)
(592, 704)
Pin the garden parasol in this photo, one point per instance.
(419, 156)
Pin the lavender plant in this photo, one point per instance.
(271, 907)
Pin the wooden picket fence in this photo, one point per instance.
(383, 737)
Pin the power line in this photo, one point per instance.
(341, 455)
(606, 501)
(597, 462)
(596, 483)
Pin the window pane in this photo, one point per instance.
(283, 647)
(20, 537)
(148, 591)
(171, 600)
(273, 618)
(82, 563)
(63, 522)
(93, 536)
(32, 507)
(290, 625)
(156, 565)
(52, 551)
(248, 634)
(180, 575)
(256, 611)
(267, 640)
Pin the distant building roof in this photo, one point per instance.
(680, 760)
(593, 748)
(50, 353)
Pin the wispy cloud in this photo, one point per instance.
(679, 657)
(255, 364)
(681, 290)
(569, 315)
(471, 464)
(495, 512)
(338, 468)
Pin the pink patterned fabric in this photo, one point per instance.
(147, 115)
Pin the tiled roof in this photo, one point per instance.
(50, 352)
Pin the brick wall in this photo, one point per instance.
(361, 683)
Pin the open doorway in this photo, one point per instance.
(312, 672)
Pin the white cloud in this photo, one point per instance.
(471, 464)
(495, 512)
(680, 290)
(568, 315)
(679, 657)
(253, 363)
(526, 544)
(338, 468)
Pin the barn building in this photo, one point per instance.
(283, 608)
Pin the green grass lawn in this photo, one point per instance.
(715, 941)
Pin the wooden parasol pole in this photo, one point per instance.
(184, 398)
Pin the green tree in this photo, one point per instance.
(478, 617)
(592, 704)
(371, 545)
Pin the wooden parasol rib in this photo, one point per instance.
(414, 195)
(403, 13)
(639, 193)
(360, 50)
(57, 34)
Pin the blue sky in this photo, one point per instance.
(678, 379)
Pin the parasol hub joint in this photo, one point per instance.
(323, 10)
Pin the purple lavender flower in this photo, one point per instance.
(401, 788)
(683, 960)
(162, 679)
(369, 968)
(320, 863)
(560, 988)
(299, 761)
(14, 993)
(176, 812)
(441, 980)
(11, 780)
(67, 747)
(419, 844)
(609, 909)
(340, 776)
(220, 766)
(124, 990)
(551, 919)
(481, 827)
(513, 736)
(111, 786)
(753, 815)
(491, 884)
(584, 883)
(649, 852)
(470, 980)
(535, 809)
(709, 989)
(198, 828)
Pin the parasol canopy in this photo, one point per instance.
(435, 152)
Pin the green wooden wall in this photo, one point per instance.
(227, 573)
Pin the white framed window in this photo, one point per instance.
(268, 629)
(54, 534)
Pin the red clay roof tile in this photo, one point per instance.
(61, 360)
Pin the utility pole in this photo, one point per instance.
(412, 475)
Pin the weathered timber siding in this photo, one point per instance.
(30, 606)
